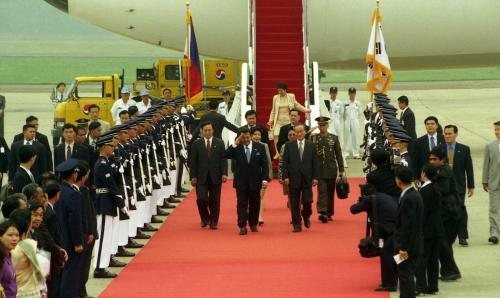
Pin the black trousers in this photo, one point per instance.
(54, 282)
(297, 196)
(406, 274)
(180, 173)
(326, 193)
(446, 258)
(428, 266)
(208, 201)
(248, 206)
(387, 264)
(71, 275)
(463, 232)
(86, 260)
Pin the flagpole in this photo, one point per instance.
(375, 48)
(188, 61)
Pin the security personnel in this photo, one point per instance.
(352, 112)
(330, 160)
(108, 201)
(336, 109)
(70, 214)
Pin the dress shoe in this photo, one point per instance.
(307, 223)
(429, 292)
(115, 263)
(323, 218)
(141, 235)
(451, 277)
(419, 293)
(385, 289)
(330, 218)
(167, 205)
(493, 240)
(133, 244)
(463, 242)
(162, 212)
(171, 200)
(103, 273)
(254, 229)
(261, 223)
(180, 195)
(149, 228)
(184, 189)
(213, 226)
(155, 219)
(122, 252)
(297, 229)
(243, 231)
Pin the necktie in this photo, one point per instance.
(433, 144)
(68, 153)
(301, 150)
(247, 153)
(450, 156)
(208, 148)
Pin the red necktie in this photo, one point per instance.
(209, 149)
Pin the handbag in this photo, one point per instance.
(369, 246)
(342, 188)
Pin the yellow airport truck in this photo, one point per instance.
(217, 75)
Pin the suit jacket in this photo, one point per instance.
(249, 175)
(385, 181)
(89, 213)
(283, 136)
(491, 165)
(42, 139)
(432, 222)
(218, 121)
(300, 173)
(462, 167)
(79, 152)
(4, 156)
(407, 120)
(21, 179)
(387, 210)
(421, 152)
(69, 211)
(52, 224)
(202, 166)
(41, 163)
(449, 194)
(408, 233)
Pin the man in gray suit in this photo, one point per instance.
(491, 183)
(208, 169)
(300, 173)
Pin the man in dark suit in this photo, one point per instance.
(69, 148)
(423, 145)
(460, 161)
(4, 158)
(70, 215)
(283, 136)
(383, 177)
(41, 164)
(208, 169)
(23, 176)
(407, 117)
(218, 121)
(39, 137)
(387, 209)
(251, 173)
(408, 242)
(251, 118)
(300, 173)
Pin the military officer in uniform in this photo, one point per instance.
(108, 201)
(336, 109)
(330, 161)
(352, 112)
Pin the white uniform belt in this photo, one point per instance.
(101, 190)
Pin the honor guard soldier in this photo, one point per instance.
(330, 163)
(336, 109)
(352, 112)
(108, 202)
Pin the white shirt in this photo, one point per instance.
(142, 107)
(303, 144)
(404, 192)
(30, 142)
(211, 144)
(426, 183)
(223, 108)
(119, 106)
(435, 139)
(352, 110)
(66, 148)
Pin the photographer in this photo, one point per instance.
(383, 177)
(386, 218)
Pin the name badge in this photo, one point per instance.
(2, 150)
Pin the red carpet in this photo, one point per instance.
(183, 260)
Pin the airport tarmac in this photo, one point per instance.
(473, 106)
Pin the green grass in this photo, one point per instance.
(50, 70)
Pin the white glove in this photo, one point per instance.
(183, 152)
(125, 210)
